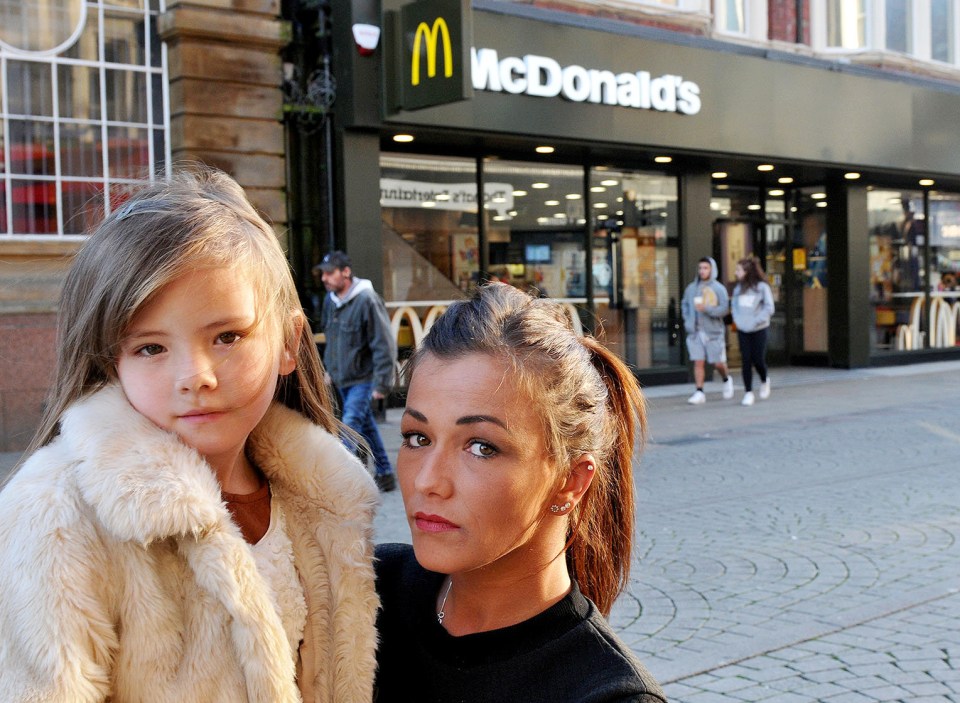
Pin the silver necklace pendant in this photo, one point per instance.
(443, 603)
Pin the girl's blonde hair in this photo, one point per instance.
(199, 218)
(589, 403)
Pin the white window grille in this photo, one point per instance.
(84, 106)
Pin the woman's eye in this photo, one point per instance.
(415, 439)
(482, 449)
(149, 350)
(228, 337)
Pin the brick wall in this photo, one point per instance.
(27, 351)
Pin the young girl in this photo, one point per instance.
(752, 308)
(516, 477)
(189, 527)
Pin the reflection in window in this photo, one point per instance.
(732, 16)
(899, 23)
(942, 23)
(846, 24)
(897, 286)
(944, 268)
(39, 25)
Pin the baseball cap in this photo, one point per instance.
(334, 260)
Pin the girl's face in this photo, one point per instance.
(739, 272)
(474, 472)
(195, 362)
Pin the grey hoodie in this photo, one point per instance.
(710, 320)
(752, 308)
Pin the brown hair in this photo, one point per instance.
(198, 218)
(589, 402)
(753, 273)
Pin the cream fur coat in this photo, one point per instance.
(122, 577)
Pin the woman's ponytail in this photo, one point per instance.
(601, 542)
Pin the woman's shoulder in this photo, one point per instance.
(396, 562)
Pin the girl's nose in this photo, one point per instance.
(198, 374)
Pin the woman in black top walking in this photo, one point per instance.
(515, 470)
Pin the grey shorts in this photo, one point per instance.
(713, 349)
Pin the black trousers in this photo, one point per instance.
(753, 351)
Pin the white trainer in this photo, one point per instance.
(765, 389)
(747, 398)
(728, 388)
(698, 398)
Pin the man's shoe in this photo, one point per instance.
(728, 388)
(386, 482)
(765, 390)
(747, 398)
(698, 398)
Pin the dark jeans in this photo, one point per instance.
(358, 415)
(753, 351)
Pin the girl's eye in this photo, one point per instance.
(149, 350)
(228, 337)
(482, 449)
(415, 439)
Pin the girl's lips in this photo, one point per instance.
(434, 523)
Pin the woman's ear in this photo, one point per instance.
(578, 481)
(291, 347)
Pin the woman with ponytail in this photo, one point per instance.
(515, 470)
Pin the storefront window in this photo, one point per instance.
(897, 234)
(810, 262)
(537, 238)
(636, 265)
(81, 101)
(945, 269)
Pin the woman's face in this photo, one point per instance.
(473, 470)
(739, 272)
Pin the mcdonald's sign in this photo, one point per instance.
(432, 42)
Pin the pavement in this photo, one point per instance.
(804, 549)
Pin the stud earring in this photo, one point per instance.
(560, 508)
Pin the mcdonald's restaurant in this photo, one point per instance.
(596, 162)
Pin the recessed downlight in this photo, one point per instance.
(545, 149)
(403, 138)
(765, 167)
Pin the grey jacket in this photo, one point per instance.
(752, 308)
(360, 345)
(710, 320)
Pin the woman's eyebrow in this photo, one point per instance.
(475, 419)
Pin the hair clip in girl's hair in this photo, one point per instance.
(127, 209)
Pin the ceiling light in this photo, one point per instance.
(926, 181)
(551, 203)
(753, 206)
(765, 167)
(544, 150)
(775, 193)
(719, 174)
(403, 138)
(663, 159)
(600, 205)
(519, 193)
(818, 196)
(822, 203)
(573, 196)
(723, 187)
(609, 182)
(540, 185)
(429, 203)
(443, 196)
(785, 180)
(598, 189)
(851, 176)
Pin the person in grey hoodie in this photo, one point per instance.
(704, 305)
(752, 307)
(360, 355)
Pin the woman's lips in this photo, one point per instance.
(434, 523)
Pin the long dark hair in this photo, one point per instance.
(589, 402)
(753, 274)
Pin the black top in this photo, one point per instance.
(568, 653)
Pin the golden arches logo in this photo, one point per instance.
(429, 35)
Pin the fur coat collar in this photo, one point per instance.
(129, 496)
